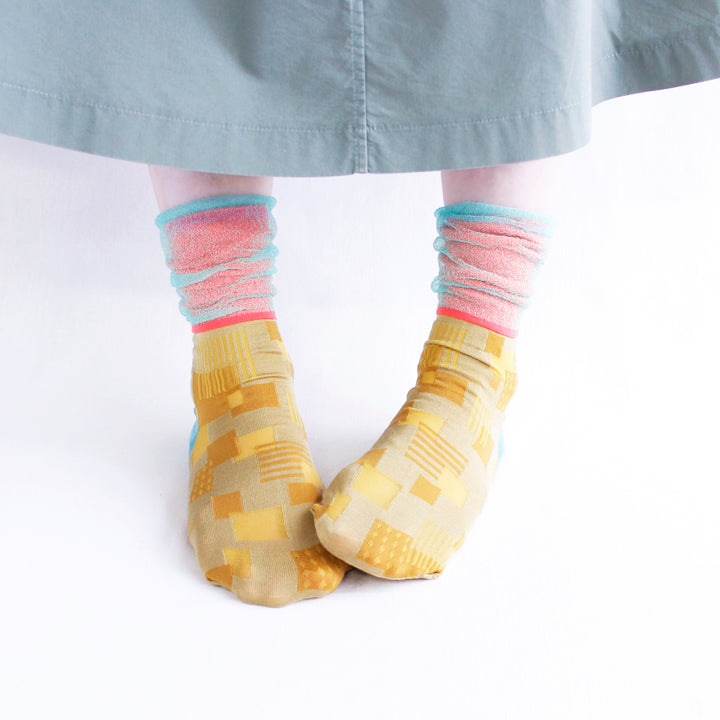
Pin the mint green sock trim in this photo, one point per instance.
(480, 211)
(209, 203)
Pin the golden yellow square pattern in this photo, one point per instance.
(252, 476)
(404, 508)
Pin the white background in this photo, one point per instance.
(589, 587)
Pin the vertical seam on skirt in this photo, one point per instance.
(360, 127)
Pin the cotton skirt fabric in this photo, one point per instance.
(321, 87)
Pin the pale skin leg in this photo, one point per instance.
(174, 186)
(534, 185)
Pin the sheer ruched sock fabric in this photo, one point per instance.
(488, 256)
(221, 255)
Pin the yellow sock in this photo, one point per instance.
(404, 507)
(252, 476)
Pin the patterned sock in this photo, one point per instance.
(404, 507)
(252, 476)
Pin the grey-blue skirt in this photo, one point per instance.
(334, 87)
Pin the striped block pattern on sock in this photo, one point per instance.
(252, 475)
(404, 507)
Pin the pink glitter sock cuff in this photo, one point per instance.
(221, 256)
(488, 256)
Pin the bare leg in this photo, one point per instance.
(532, 185)
(174, 186)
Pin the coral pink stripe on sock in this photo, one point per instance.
(232, 320)
(460, 315)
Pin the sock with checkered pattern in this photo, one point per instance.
(404, 508)
(252, 479)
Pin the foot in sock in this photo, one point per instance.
(252, 479)
(404, 508)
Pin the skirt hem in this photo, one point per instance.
(136, 135)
